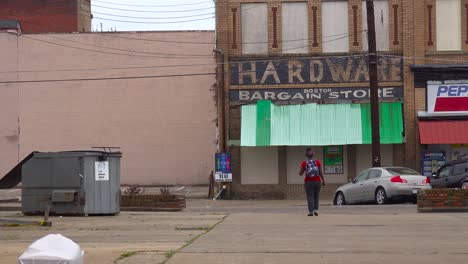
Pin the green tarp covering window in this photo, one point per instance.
(266, 124)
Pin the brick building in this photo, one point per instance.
(69, 91)
(41, 16)
(295, 75)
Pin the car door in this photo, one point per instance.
(457, 176)
(371, 184)
(356, 189)
(441, 178)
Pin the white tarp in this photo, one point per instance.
(52, 249)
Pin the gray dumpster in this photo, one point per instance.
(71, 183)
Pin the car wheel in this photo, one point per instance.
(340, 199)
(465, 186)
(380, 196)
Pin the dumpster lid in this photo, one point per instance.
(13, 178)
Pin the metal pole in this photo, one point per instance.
(374, 84)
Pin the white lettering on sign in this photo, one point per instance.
(316, 94)
(447, 98)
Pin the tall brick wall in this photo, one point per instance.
(412, 34)
(42, 16)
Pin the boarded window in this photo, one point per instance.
(448, 24)
(295, 27)
(381, 25)
(254, 20)
(335, 32)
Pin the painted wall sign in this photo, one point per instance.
(282, 71)
(447, 98)
(313, 95)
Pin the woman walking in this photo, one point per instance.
(313, 181)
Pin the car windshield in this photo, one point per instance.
(402, 171)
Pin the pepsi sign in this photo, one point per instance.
(447, 98)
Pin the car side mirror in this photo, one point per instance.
(354, 180)
(434, 175)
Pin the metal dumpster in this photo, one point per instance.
(71, 183)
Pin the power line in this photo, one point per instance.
(156, 18)
(104, 52)
(142, 22)
(154, 11)
(113, 35)
(189, 4)
(180, 65)
(134, 51)
(113, 68)
(110, 78)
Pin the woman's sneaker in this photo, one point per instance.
(316, 213)
(310, 214)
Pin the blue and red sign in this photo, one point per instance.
(223, 171)
(447, 98)
(223, 162)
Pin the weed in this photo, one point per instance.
(195, 228)
(170, 254)
(126, 255)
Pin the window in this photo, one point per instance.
(374, 174)
(335, 32)
(459, 169)
(445, 172)
(448, 25)
(363, 176)
(401, 171)
(381, 25)
(254, 26)
(294, 19)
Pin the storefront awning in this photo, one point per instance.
(266, 124)
(443, 132)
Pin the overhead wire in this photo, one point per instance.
(127, 50)
(154, 11)
(155, 18)
(159, 55)
(153, 22)
(103, 52)
(187, 4)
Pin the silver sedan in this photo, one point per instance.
(380, 185)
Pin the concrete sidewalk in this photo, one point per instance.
(332, 238)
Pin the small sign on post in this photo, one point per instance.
(223, 171)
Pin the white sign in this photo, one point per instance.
(447, 98)
(223, 177)
(101, 169)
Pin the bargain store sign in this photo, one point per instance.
(447, 98)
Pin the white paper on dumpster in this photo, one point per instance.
(52, 249)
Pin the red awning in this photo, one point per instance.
(443, 132)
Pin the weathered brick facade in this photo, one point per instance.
(44, 16)
(412, 36)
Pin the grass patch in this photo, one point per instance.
(170, 254)
(126, 255)
(195, 228)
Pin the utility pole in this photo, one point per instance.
(374, 84)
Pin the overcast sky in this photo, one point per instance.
(144, 15)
